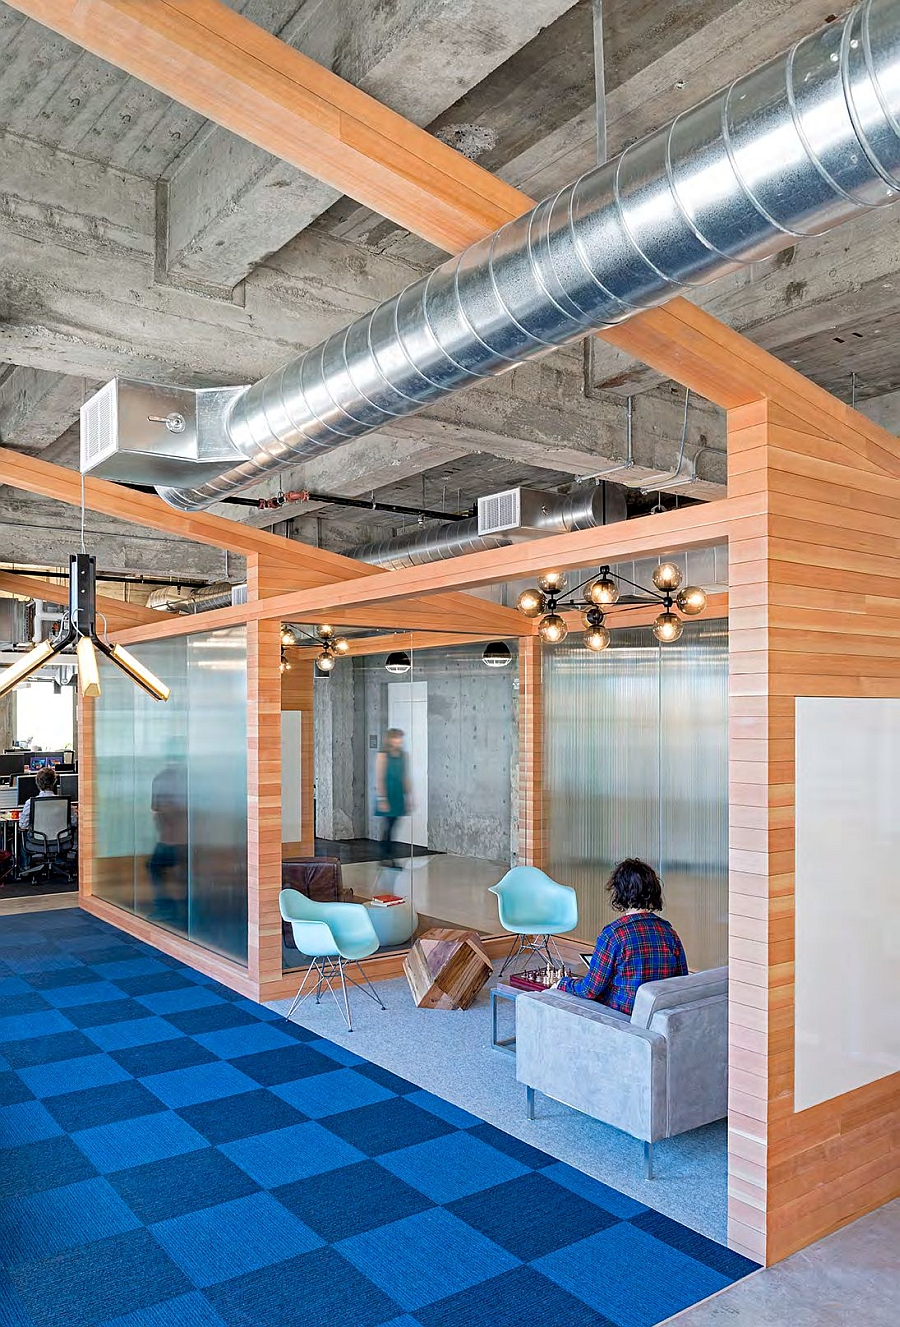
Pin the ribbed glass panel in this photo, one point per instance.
(636, 766)
(171, 790)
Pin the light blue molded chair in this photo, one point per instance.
(534, 908)
(331, 934)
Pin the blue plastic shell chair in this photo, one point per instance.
(534, 908)
(332, 935)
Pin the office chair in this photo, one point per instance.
(535, 908)
(49, 841)
(332, 935)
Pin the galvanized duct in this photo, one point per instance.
(170, 599)
(582, 510)
(805, 142)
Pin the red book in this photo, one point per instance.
(388, 900)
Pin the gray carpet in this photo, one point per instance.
(449, 1053)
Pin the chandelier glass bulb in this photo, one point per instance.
(667, 576)
(602, 591)
(325, 632)
(324, 662)
(691, 600)
(340, 645)
(596, 639)
(552, 582)
(287, 636)
(668, 627)
(552, 629)
(530, 603)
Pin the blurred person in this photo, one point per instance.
(392, 793)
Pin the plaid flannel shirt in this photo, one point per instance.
(631, 950)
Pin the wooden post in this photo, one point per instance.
(297, 694)
(263, 800)
(532, 835)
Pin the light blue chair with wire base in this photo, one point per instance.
(331, 935)
(534, 908)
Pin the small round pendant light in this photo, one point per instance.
(497, 654)
(398, 662)
(668, 627)
(552, 629)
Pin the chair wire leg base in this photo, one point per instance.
(542, 946)
(300, 997)
(367, 988)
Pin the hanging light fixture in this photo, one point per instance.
(325, 632)
(531, 603)
(668, 627)
(325, 661)
(552, 629)
(497, 654)
(284, 666)
(691, 600)
(398, 662)
(601, 591)
(340, 645)
(287, 636)
(79, 627)
(596, 635)
(331, 646)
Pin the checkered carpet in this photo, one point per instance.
(177, 1156)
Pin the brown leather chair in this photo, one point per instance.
(319, 878)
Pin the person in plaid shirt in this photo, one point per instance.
(639, 946)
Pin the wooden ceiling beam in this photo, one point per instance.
(667, 533)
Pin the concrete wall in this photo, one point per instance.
(472, 750)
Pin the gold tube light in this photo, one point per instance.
(88, 672)
(139, 673)
(24, 667)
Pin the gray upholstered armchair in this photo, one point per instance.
(658, 1073)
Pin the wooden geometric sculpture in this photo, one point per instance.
(446, 968)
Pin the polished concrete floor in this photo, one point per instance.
(851, 1277)
(445, 889)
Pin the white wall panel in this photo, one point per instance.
(847, 928)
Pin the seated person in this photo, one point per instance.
(639, 946)
(48, 786)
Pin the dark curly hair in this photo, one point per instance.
(634, 884)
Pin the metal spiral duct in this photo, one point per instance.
(805, 142)
(582, 510)
(171, 599)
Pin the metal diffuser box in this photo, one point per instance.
(149, 433)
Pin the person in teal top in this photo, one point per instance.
(391, 791)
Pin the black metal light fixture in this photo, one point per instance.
(496, 654)
(332, 646)
(544, 601)
(398, 662)
(79, 627)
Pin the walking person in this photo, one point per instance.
(392, 793)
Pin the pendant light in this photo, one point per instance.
(497, 654)
(79, 627)
(398, 662)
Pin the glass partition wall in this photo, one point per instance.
(443, 723)
(636, 765)
(171, 791)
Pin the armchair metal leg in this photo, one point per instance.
(529, 1102)
(514, 950)
(299, 997)
(340, 964)
(648, 1161)
(368, 988)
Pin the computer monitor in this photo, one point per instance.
(10, 765)
(44, 760)
(26, 786)
(68, 786)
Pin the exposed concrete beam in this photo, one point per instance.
(883, 410)
(230, 204)
(682, 73)
(40, 532)
(821, 285)
(37, 406)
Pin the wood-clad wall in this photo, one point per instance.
(263, 799)
(532, 825)
(297, 694)
(815, 611)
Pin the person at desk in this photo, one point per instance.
(639, 946)
(48, 786)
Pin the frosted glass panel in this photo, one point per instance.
(635, 743)
(171, 790)
(847, 927)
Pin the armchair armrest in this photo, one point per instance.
(594, 1060)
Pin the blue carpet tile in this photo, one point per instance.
(173, 1155)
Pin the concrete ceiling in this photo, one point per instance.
(136, 238)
